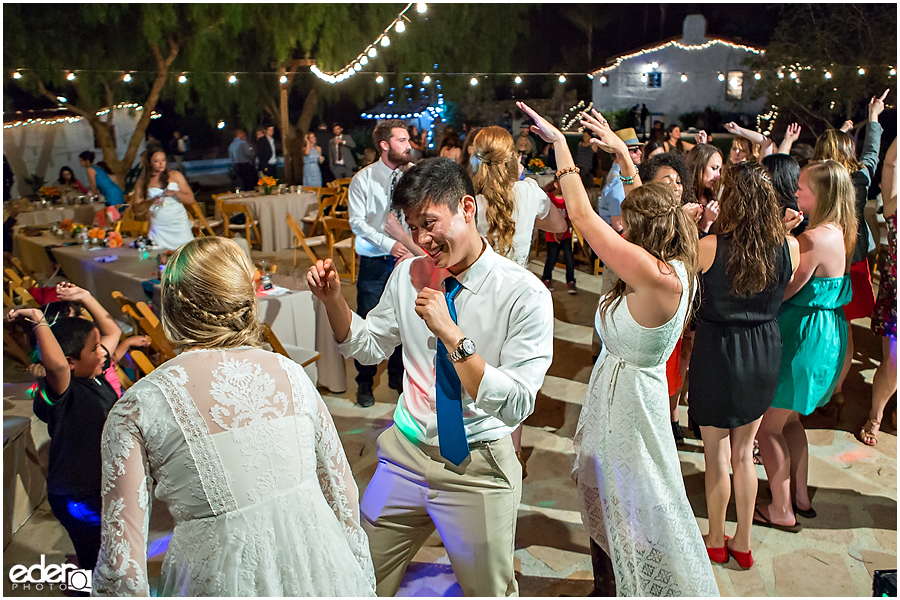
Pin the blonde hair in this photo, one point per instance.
(209, 296)
(655, 221)
(837, 145)
(830, 183)
(493, 178)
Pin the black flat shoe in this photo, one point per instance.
(809, 513)
(676, 432)
(763, 521)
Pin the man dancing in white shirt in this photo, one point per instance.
(477, 335)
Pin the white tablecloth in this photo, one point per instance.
(271, 212)
(80, 213)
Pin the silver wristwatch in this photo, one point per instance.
(465, 349)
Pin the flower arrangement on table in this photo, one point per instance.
(268, 184)
(536, 165)
(114, 239)
(49, 192)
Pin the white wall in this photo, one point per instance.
(675, 97)
(45, 149)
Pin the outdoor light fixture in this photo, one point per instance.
(861, 71)
(654, 65)
(757, 76)
(780, 75)
(589, 76)
(473, 81)
(793, 75)
(643, 78)
(518, 80)
(364, 60)
(426, 80)
(232, 79)
(683, 77)
(71, 76)
(421, 7)
(182, 79)
(827, 74)
(221, 125)
(385, 41)
(283, 79)
(562, 78)
(893, 72)
(127, 77)
(62, 99)
(379, 79)
(603, 79)
(400, 27)
(17, 75)
(721, 76)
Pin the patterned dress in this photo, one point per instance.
(633, 501)
(884, 319)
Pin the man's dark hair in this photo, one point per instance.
(674, 161)
(336, 124)
(432, 181)
(88, 156)
(384, 130)
(72, 334)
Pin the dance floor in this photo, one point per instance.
(853, 487)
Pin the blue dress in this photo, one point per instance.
(111, 192)
(312, 174)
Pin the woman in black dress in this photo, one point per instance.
(744, 269)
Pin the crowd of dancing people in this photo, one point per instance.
(748, 267)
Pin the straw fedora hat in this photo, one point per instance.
(629, 136)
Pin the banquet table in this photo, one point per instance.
(80, 213)
(297, 318)
(271, 210)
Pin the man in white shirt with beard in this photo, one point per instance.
(477, 335)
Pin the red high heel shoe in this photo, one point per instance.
(719, 555)
(744, 559)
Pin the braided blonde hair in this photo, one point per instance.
(494, 177)
(209, 296)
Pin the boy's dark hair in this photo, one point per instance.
(674, 161)
(72, 334)
(53, 312)
(432, 181)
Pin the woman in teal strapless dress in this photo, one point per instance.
(814, 337)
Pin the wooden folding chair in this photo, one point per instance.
(327, 198)
(301, 241)
(27, 299)
(158, 340)
(130, 228)
(341, 208)
(141, 362)
(299, 355)
(144, 310)
(339, 183)
(250, 226)
(17, 265)
(200, 221)
(341, 245)
(12, 348)
(129, 309)
(124, 379)
(8, 302)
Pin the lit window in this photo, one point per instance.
(654, 79)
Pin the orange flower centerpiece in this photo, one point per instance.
(67, 225)
(536, 165)
(49, 192)
(114, 239)
(267, 184)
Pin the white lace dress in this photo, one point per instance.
(247, 458)
(633, 501)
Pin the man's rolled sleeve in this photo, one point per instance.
(508, 391)
(373, 339)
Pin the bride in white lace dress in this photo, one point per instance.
(633, 501)
(243, 451)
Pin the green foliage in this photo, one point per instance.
(838, 38)
(619, 118)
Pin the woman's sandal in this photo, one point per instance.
(764, 521)
(868, 435)
(757, 459)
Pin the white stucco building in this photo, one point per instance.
(679, 76)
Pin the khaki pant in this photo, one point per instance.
(474, 507)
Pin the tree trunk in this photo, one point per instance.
(285, 125)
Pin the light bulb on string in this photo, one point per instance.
(220, 125)
(71, 76)
(400, 27)
(518, 80)
(182, 79)
(357, 67)
(643, 78)
(827, 74)
(603, 79)
(372, 52)
(421, 7)
(793, 75)
(379, 79)
(127, 77)
(473, 81)
(861, 71)
(589, 76)
(426, 80)
(62, 99)
(721, 76)
(562, 78)
(757, 76)
(385, 41)
(363, 60)
(893, 72)
(232, 79)
(283, 79)
(780, 75)
(684, 77)
(16, 75)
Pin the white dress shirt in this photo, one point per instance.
(501, 307)
(272, 159)
(368, 203)
(531, 203)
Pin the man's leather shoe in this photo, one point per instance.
(396, 383)
(364, 395)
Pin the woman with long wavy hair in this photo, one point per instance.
(508, 209)
(745, 267)
(705, 164)
(814, 339)
(633, 501)
(164, 193)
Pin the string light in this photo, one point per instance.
(757, 76)
(400, 27)
(372, 52)
(589, 76)
(70, 76)
(363, 60)
(780, 75)
(562, 78)
(861, 71)
(603, 80)
(232, 79)
(684, 77)
(127, 77)
(283, 79)
(220, 125)
(74, 118)
(473, 81)
(721, 76)
(426, 80)
(679, 45)
(518, 80)
(182, 79)
(421, 7)
(385, 41)
(568, 121)
(827, 74)
(62, 99)
(893, 72)
(643, 78)
(379, 79)
(17, 75)
(770, 116)
(793, 75)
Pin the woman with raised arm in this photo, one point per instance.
(744, 269)
(814, 337)
(762, 145)
(629, 479)
(242, 447)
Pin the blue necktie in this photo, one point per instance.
(448, 392)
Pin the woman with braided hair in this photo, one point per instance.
(243, 449)
(633, 501)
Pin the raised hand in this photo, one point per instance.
(69, 291)
(876, 106)
(702, 137)
(793, 132)
(392, 226)
(732, 127)
(792, 218)
(847, 126)
(599, 125)
(541, 126)
(323, 280)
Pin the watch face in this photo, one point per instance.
(468, 347)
